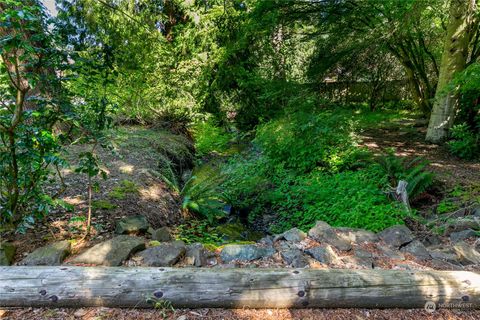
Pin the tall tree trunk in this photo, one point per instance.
(454, 59)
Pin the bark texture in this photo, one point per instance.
(234, 288)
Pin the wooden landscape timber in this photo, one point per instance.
(234, 288)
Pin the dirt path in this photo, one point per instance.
(407, 138)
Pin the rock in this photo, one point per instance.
(445, 265)
(431, 240)
(462, 235)
(396, 236)
(132, 225)
(323, 232)
(417, 249)
(391, 254)
(163, 234)
(245, 252)
(164, 255)
(476, 212)
(461, 224)
(196, 255)
(80, 313)
(51, 255)
(444, 255)
(466, 254)
(324, 254)
(295, 258)
(267, 241)
(7, 253)
(361, 258)
(292, 235)
(357, 236)
(111, 252)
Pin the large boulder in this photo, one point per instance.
(164, 255)
(132, 225)
(460, 224)
(292, 235)
(324, 254)
(111, 252)
(7, 252)
(50, 255)
(324, 233)
(396, 236)
(196, 255)
(164, 234)
(295, 258)
(357, 236)
(245, 252)
(417, 249)
(466, 253)
(462, 235)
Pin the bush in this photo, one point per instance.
(464, 144)
(210, 138)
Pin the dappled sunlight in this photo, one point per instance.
(128, 169)
(74, 200)
(152, 193)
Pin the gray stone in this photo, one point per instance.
(396, 236)
(196, 255)
(132, 225)
(245, 252)
(51, 255)
(391, 254)
(7, 253)
(431, 240)
(462, 235)
(417, 249)
(444, 255)
(323, 232)
(163, 234)
(466, 253)
(455, 225)
(357, 236)
(295, 258)
(445, 265)
(164, 255)
(292, 235)
(324, 254)
(267, 241)
(361, 258)
(111, 252)
(476, 211)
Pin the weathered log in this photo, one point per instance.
(234, 288)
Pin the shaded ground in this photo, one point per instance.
(407, 137)
(242, 314)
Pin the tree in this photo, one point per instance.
(454, 59)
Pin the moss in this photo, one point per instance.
(126, 187)
(154, 243)
(237, 232)
(103, 204)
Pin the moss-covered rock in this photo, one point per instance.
(7, 252)
(51, 255)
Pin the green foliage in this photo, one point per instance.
(210, 138)
(414, 172)
(307, 140)
(464, 143)
(200, 196)
(198, 231)
(126, 187)
(103, 205)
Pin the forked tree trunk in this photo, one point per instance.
(454, 59)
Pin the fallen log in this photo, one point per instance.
(234, 288)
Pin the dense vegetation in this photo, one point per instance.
(273, 94)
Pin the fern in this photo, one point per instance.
(415, 172)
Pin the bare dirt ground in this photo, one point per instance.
(408, 140)
(239, 314)
(130, 189)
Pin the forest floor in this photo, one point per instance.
(238, 314)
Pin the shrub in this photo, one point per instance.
(465, 143)
(210, 138)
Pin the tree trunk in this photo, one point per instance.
(454, 59)
(77, 287)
